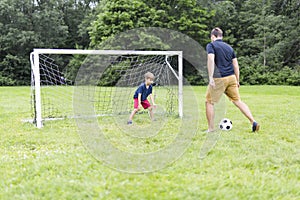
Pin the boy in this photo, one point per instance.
(140, 97)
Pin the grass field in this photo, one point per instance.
(52, 163)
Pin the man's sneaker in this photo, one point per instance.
(129, 122)
(209, 131)
(255, 126)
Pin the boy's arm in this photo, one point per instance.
(140, 100)
(152, 99)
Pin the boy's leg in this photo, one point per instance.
(135, 110)
(151, 112)
(146, 105)
(132, 114)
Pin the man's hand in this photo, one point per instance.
(238, 84)
(212, 83)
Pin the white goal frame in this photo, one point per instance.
(35, 67)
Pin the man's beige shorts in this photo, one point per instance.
(227, 85)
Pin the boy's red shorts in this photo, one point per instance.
(145, 104)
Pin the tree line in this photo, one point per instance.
(264, 33)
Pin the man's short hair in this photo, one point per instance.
(149, 75)
(217, 32)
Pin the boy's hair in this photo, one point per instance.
(217, 32)
(149, 75)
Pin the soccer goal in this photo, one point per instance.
(110, 75)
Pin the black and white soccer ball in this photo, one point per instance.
(225, 124)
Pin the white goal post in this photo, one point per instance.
(37, 86)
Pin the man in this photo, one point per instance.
(223, 72)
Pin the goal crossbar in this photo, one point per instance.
(105, 52)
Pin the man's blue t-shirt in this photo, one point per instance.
(224, 54)
(144, 91)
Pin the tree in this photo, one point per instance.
(17, 38)
(27, 24)
(264, 35)
(120, 15)
(186, 17)
(77, 16)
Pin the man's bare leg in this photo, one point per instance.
(210, 114)
(246, 111)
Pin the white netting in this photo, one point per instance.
(113, 94)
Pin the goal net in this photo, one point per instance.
(111, 77)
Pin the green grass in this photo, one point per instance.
(52, 163)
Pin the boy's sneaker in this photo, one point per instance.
(255, 127)
(129, 122)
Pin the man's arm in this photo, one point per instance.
(236, 70)
(210, 68)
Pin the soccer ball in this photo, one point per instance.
(225, 124)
